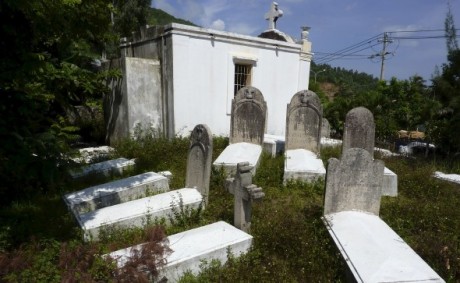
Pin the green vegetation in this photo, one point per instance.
(291, 244)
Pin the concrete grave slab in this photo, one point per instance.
(94, 154)
(390, 183)
(374, 252)
(273, 144)
(116, 192)
(190, 248)
(105, 168)
(302, 164)
(237, 153)
(135, 213)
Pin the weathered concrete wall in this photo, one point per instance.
(135, 102)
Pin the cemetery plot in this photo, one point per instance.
(303, 136)
(371, 249)
(190, 248)
(116, 192)
(136, 213)
(247, 129)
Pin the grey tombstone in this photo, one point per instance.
(199, 160)
(245, 193)
(303, 122)
(359, 130)
(354, 183)
(249, 111)
(325, 129)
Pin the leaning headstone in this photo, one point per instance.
(245, 193)
(303, 136)
(249, 111)
(354, 183)
(303, 122)
(199, 160)
(359, 130)
(325, 129)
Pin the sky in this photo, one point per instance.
(340, 24)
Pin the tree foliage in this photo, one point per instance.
(47, 51)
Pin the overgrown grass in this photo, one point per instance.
(291, 244)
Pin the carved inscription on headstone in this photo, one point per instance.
(248, 116)
(354, 182)
(199, 160)
(303, 122)
(359, 130)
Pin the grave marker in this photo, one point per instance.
(199, 160)
(303, 122)
(249, 111)
(245, 193)
(359, 130)
(354, 182)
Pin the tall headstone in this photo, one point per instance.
(245, 193)
(354, 183)
(359, 130)
(249, 112)
(199, 160)
(303, 122)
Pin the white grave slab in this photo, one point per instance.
(191, 247)
(374, 252)
(135, 213)
(105, 168)
(116, 192)
(454, 178)
(330, 142)
(273, 144)
(236, 153)
(390, 183)
(92, 154)
(303, 164)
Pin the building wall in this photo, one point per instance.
(203, 75)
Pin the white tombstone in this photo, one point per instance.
(247, 129)
(374, 252)
(105, 168)
(192, 247)
(116, 192)
(138, 212)
(303, 136)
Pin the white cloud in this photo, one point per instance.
(243, 28)
(218, 25)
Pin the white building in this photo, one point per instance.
(177, 76)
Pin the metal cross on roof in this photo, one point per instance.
(273, 15)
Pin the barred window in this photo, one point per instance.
(242, 76)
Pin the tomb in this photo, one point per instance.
(245, 193)
(114, 167)
(372, 251)
(116, 192)
(94, 154)
(138, 212)
(303, 136)
(359, 132)
(247, 128)
(199, 160)
(192, 247)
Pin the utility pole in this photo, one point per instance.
(384, 53)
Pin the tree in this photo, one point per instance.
(450, 32)
(130, 15)
(47, 51)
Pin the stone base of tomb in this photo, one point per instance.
(237, 153)
(301, 164)
(390, 183)
(192, 247)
